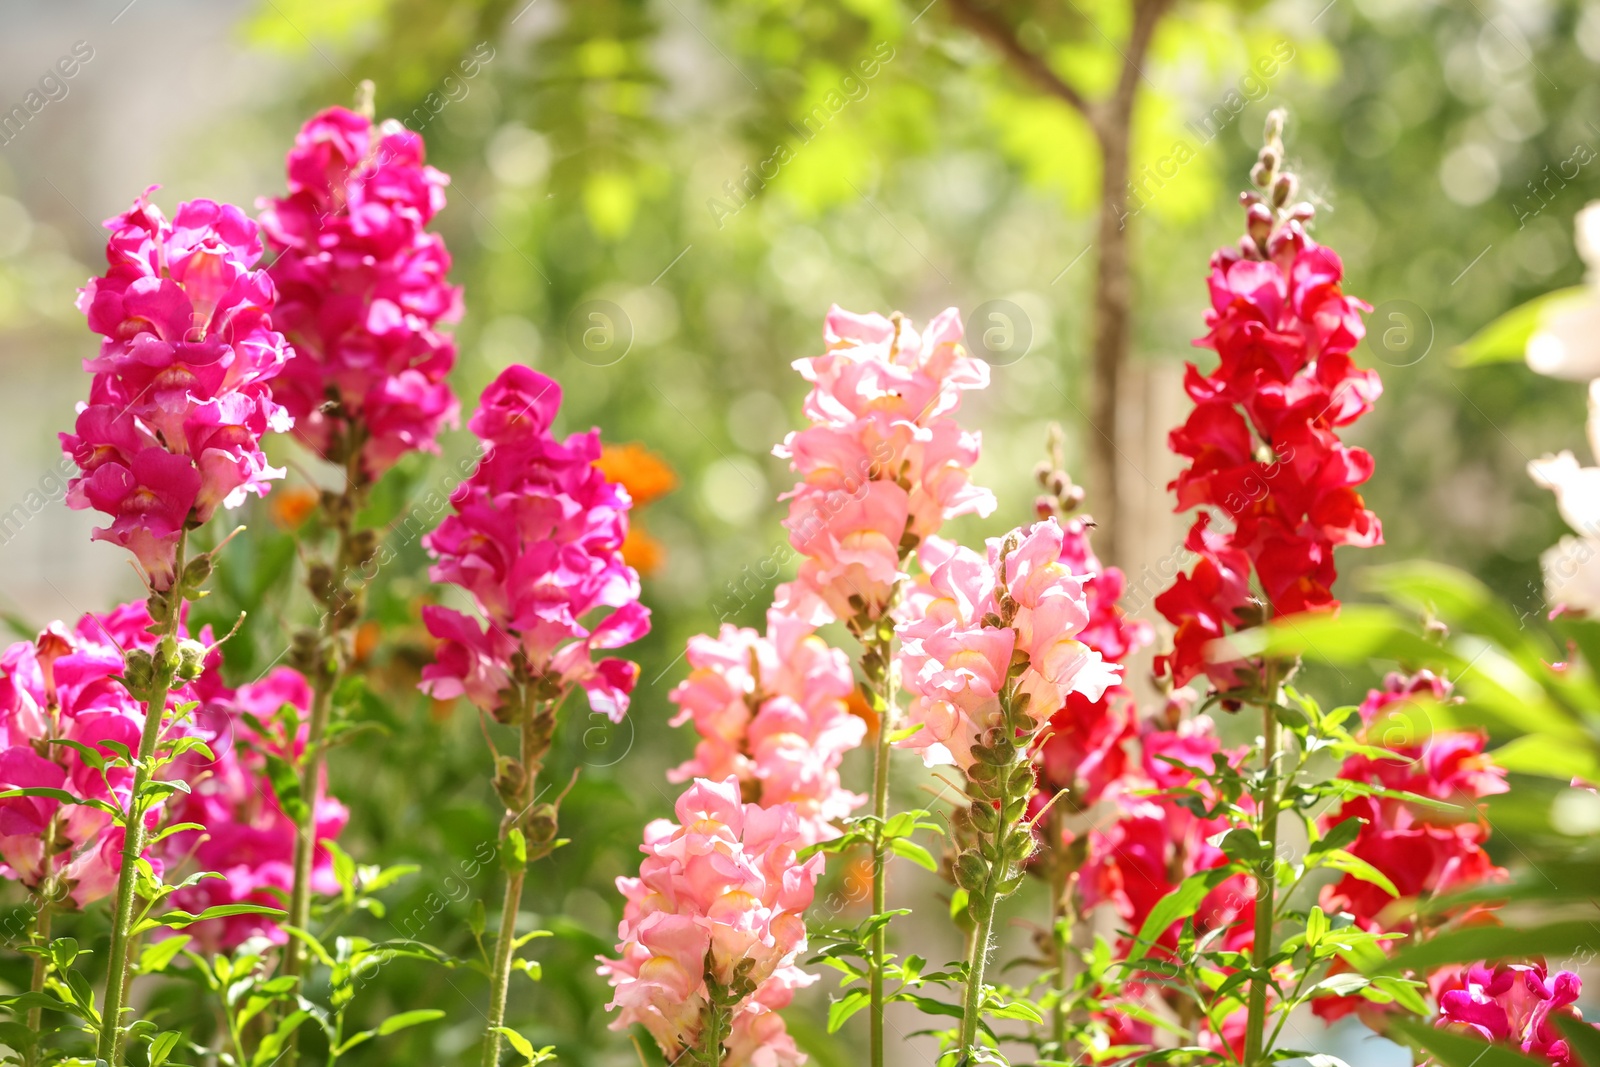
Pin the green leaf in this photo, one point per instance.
(1017, 1009)
(840, 1010)
(908, 849)
(285, 781)
(1316, 926)
(63, 950)
(406, 1019)
(523, 1046)
(514, 852)
(1339, 985)
(177, 920)
(1549, 757)
(1582, 1036)
(1356, 867)
(1454, 1050)
(1473, 943)
(1505, 340)
(21, 1002)
(271, 1047)
(1359, 632)
(1338, 836)
(161, 1046)
(1178, 904)
(63, 796)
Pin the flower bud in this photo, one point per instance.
(1284, 188)
(971, 872)
(191, 659)
(138, 672)
(1258, 223)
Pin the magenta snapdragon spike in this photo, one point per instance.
(712, 931)
(882, 464)
(771, 711)
(536, 539)
(63, 686)
(1515, 1005)
(246, 837)
(363, 291)
(180, 399)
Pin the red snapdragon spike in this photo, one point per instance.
(362, 290)
(1422, 849)
(1082, 747)
(1158, 842)
(1264, 454)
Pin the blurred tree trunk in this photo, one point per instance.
(1112, 122)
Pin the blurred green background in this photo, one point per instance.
(708, 176)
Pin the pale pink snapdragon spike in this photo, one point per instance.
(180, 398)
(1083, 749)
(536, 539)
(771, 711)
(884, 462)
(1515, 1005)
(956, 651)
(363, 290)
(719, 893)
(246, 837)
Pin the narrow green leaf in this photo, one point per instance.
(1178, 904)
(1474, 943)
(1505, 339)
(906, 848)
(1454, 1050)
(840, 1010)
(406, 1019)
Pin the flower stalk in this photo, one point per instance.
(527, 834)
(1266, 881)
(878, 666)
(150, 678)
(999, 784)
(323, 655)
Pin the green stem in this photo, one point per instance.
(502, 967)
(536, 727)
(39, 938)
(339, 612)
(878, 666)
(165, 664)
(1266, 889)
(998, 794)
(1060, 931)
(972, 1001)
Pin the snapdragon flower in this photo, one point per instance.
(535, 537)
(181, 393)
(884, 462)
(771, 711)
(712, 929)
(363, 291)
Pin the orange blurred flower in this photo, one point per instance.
(368, 634)
(291, 504)
(641, 551)
(859, 706)
(643, 473)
